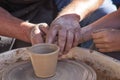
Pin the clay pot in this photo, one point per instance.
(44, 59)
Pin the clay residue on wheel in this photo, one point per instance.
(66, 70)
(11, 57)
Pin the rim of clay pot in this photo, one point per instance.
(56, 49)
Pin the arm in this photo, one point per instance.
(66, 25)
(82, 8)
(109, 21)
(13, 27)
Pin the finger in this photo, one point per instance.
(52, 34)
(68, 55)
(97, 35)
(99, 41)
(115, 46)
(76, 37)
(102, 40)
(105, 46)
(64, 57)
(69, 42)
(35, 36)
(62, 39)
(106, 50)
(44, 29)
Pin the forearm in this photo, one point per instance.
(14, 27)
(81, 8)
(109, 21)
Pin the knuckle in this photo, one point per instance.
(106, 34)
(107, 46)
(106, 40)
(71, 31)
(55, 26)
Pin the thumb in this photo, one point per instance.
(35, 36)
(43, 27)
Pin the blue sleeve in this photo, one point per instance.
(62, 3)
(116, 2)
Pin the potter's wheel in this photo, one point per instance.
(66, 70)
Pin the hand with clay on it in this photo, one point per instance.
(107, 40)
(67, 29)
(38, 33)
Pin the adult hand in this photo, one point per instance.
(107, 40)
(67, 29)
(38, 33)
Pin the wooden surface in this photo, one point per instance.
(106, 67)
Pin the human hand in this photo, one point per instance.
(107, 40)
(67, 29)
(38, 33)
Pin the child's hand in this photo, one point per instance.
(107, 40)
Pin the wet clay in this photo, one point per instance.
(100, 63)
(101, 75)
(66, 70)
(44, 58)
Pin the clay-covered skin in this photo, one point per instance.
(38, 33)
(107, 40)
(19, 29)
(66, 25)
(68, 29)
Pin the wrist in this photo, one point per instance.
(70, 16)
(27, 27)
(86, 34)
